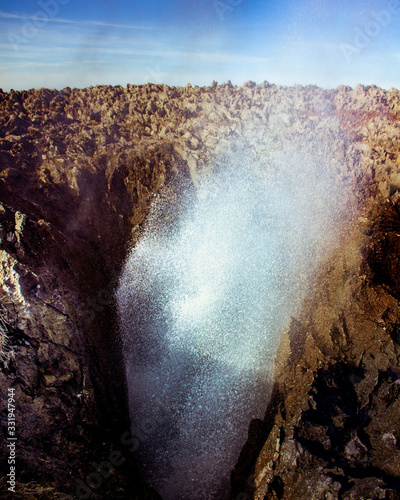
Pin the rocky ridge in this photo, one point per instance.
(79, 169)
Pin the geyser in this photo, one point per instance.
(203, 299)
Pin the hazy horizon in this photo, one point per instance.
(60, 43)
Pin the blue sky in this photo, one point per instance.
(77, 43)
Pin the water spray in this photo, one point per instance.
(203, 299)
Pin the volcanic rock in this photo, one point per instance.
(79, 170)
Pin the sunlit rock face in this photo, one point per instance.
(203, 300)
(79, 169)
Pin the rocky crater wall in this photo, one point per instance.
(79, 169)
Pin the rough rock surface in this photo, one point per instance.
(332, 428)
(78, 172)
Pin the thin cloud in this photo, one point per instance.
(218, 57)
(28, 49)
(37, 64)
(104, 49)
(24, 17)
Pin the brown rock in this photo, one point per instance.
(79, 169)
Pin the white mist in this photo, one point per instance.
(203, 299)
